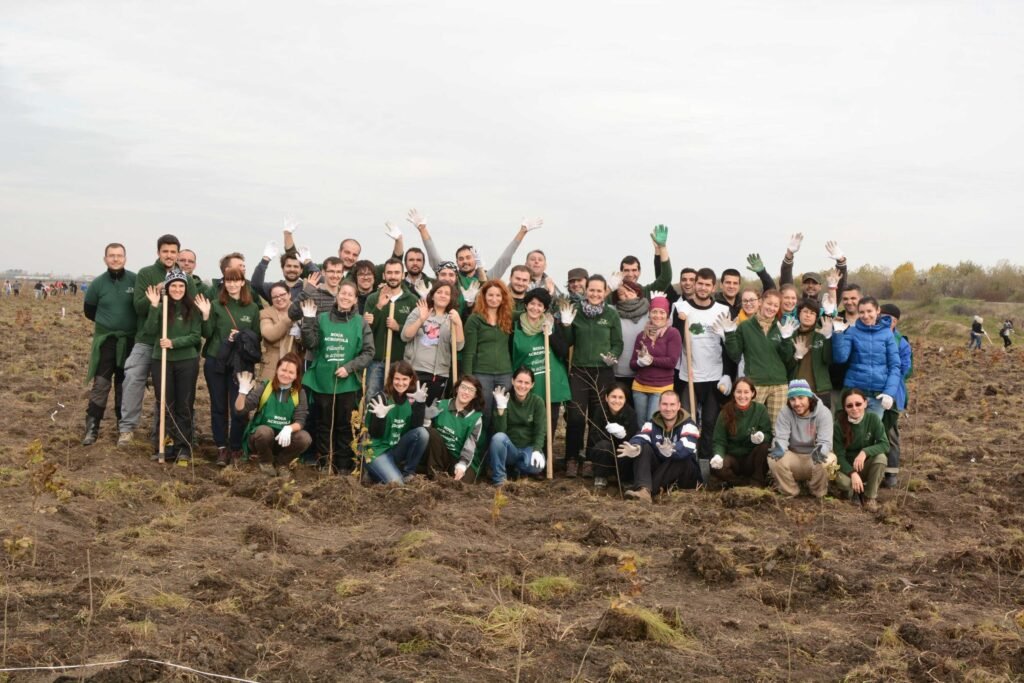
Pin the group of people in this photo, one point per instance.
(978, 331)
(381, 367)
(43, 290)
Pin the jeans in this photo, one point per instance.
(407, 452)
(227, 425)
(658, 474)
(375, 378)
(645, 405)
(488, 383)
(136, 372)
(505, 455)
(975, 342)
(874, 405)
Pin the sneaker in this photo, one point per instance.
(184, 457)
(890, 481)
(125, 439)
(642, 495)
(587, 470)
(222, 457)
(871, 505)
(571, 469)
(600, 482)
(268, 469)
(408, 478)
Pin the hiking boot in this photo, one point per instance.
(571, 469)
(890, 481)
(642, 495)
(600, 482)
(92, 430)
(871, 505)
(587, 471)
(268, 469)
(125, 439)
(184, 458)
(222, 457)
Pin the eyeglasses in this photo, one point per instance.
(860, 404)
(278, 297)
(468, 388)
(750, 301)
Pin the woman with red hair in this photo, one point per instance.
(486, 354)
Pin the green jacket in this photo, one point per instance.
(404, 305)
(820, 358)
(593, 336)
(185, 335)
(114, 302)
(753, 419)
(766, 355)
(151, 275)
(387, 431)
(223, 319)
(459, 431)
(524, 422)
(486, 350)
(868, 436)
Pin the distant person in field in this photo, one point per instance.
(860, 445)
(109, 303)
(871, 353)
(976, 333)
(1006, 331)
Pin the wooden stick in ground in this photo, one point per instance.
(387, 349)
(455, 357)
(547, 402)
(163, 386)
(689, 372)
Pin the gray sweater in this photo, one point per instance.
(803, 434)
(429, 346)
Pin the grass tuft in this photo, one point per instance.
(549, 587)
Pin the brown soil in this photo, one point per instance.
(107, 556)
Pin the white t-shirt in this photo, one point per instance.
(706, 345)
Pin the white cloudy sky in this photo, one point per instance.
(892, 126)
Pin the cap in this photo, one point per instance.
(813, 277)
(578, 274)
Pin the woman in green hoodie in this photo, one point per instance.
(184, 334)
(861, 447)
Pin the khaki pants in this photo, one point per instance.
(871, 475)
(773, 396)
(792, 468)
(263, 444)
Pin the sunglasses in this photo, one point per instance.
(860, 404)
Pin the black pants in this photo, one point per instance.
(656, 474)
(436, 384)
(709, 402)
(739, 470)
(586, 385)
(603, 454)
(182, 376)
(107, 374)
(335, 409)
(439, 460)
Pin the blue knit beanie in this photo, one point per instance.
(799, 387)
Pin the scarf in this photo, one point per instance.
(633, 309)
(654, 332)
(858, 420)
(765, 323)
(590, 310)
(530, 328)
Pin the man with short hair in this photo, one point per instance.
(849, 302)
(519, 284)
(376, 316)
(697, 317)
(729, 292)
(109, 303)
(294, 264)
(136, 367)
(629, 271)
(576, 284)
(187, 264)
(415, 262)
(537, 263)
(684, 288)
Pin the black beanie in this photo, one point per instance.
(541, 295)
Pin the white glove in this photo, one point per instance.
(245, 382)
(308, 308)
(305, 255)
(839, 326)
(757, 438)
(460, 469)
(379, 408)
(609, 359)
(532, 223)
(290, 225)
(420, 395)
(392, 231)
(500, 398)
(832, 277)
(834, 252)
(271, 251)
(295, 331)
(725, 323)
(666, 448)
(614, 280)
(725, 385)
(644, 357)
(616, 430)
(416, 218)
(799, 348)
(655, 294)
(422, 288)
(629, 450)
(284, 437)
(826, 327)
(717, 462)
(787, 328)
(886, 401)
(828, 303)
(479, 260)
(567, 312)
(537, 459)
(432, 411)
(795, 240)
(469, 294)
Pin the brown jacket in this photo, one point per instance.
(274, 328)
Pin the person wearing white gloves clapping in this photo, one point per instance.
(615, 425)
(742, 437)
(276, 432)
(519, 429)
(872, 355)
(394, 419)
(665, 452)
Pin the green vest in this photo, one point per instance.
(454, 430)
(339, 343)
(529, 351)
(396, 424)
(272, 412)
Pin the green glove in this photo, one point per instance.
(754, 263)
(660, 235)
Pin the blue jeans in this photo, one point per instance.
(645, 405)
(875, 406)
(375, 379)
(488, 383)
(408, 451)
(975, 342)
(505, 455)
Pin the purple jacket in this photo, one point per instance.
(666, 351)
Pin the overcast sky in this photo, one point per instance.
(894, 127)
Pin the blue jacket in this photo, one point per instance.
(872, 356)
(906, 366)
(682, 438)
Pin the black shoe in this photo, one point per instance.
(92, 430)
(890, 481)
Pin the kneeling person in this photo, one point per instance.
(861, 446)
(743, 434)
(802, 450)
(395, 423)
(665, 449)
(520, 428)
(275, 435)
(455, 431)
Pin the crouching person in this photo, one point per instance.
(861, 447)
(664, 451)
(456, 425)
(520, 427)
(743, 434)
(395, 423)
(802, 450)
(275, 435)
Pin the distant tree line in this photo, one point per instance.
(1001, 282)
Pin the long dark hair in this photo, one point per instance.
(843, 420)
(244, 295)
(477, 403)
(729, 409)
(184, 307)
(400, 368)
